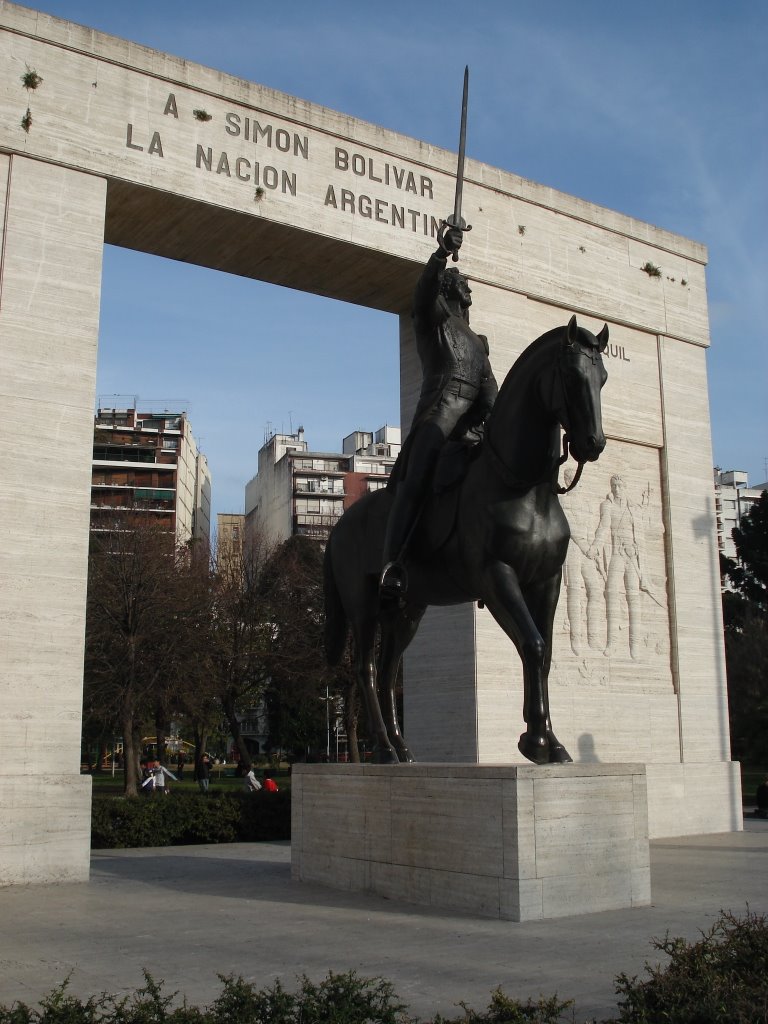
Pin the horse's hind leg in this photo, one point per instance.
(365, 671)
(398, 628)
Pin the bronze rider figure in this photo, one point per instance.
(457, 393)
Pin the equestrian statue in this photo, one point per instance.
(471, 511)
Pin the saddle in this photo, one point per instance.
(438, 516)
(437, 519)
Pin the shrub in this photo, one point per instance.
(503, 1010)
(190, 818)
(263, 816)
(339, 999)
(721, 979)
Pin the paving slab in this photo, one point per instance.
(191, 913)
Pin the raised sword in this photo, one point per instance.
(455, 220)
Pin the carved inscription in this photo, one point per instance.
(257, 162)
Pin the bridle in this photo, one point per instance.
(552, 478)
(516, 483)
(556, 488)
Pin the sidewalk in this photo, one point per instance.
(190, 913)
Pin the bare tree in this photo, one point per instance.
(138, 628)
(239, 634)
(299, 674)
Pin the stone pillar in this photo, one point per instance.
(50, 267)
(702, 791)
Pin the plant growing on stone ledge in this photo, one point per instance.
(651, 269)
(259, 193)
(202, 115)
(30, 79)
(26, 121)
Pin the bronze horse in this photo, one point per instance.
(504, 543)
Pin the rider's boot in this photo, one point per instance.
(393, 583)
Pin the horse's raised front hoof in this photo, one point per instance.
(536, 749)
(385, 755)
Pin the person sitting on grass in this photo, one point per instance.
(251, 783)
(270, 786)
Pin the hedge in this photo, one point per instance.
(185, 819)
(721, 979)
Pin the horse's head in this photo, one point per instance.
(582, 375)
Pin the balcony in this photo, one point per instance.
(314, 524)
(316, 487)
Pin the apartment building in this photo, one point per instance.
(148, 464)
(733, 499)
(229, 538)
(300, 491)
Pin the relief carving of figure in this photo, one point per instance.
(582, 577)
(618, 551)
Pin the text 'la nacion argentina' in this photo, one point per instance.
(364, 172)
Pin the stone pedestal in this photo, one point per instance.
(511, 841)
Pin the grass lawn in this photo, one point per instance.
(105, 785)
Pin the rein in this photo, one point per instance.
(517, 484)
(557, 489)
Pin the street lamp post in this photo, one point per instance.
(327, 698)
(327, 726)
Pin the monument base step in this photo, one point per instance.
(517, 842)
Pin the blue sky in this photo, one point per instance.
(656, 109)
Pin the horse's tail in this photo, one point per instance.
(335, 616)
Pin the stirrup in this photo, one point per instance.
(393, 582)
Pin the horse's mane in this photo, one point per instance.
(521, 368)
(528, 355)
(533, 352)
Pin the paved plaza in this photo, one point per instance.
(190, 913)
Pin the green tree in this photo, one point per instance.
(745, 615)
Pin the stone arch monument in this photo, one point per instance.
(122, 144)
